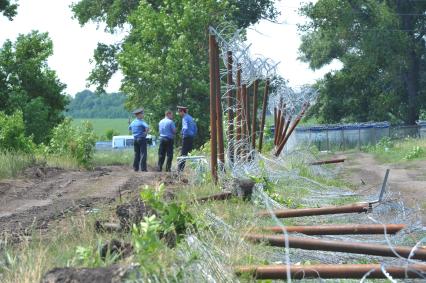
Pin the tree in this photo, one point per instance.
(8, 9)
(165, 55)
(381, 45)
(29, 85)
(87, 104)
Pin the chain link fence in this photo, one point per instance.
(351, 136)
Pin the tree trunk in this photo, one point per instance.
(411, 79)
(412, 72)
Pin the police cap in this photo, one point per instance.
(137, 111)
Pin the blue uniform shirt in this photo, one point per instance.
(139, 128)
(167, 128)
(189, 127)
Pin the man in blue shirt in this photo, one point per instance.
(167, 130)
(189, 131)
(139, 130)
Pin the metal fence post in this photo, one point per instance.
(359, 138)
(328, 141)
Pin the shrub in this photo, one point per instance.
(12, 133)
(76, 142)
(174, 217)
(110, 133)
(415, 152)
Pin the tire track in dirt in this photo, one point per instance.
(406, 178)
(41, 194)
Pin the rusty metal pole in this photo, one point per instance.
(281, 127)
(278, 126)
(254, 114)
(321, 162)
(244, 120)
(238, 139)
(349, 229)
(265, 105)
(275, 124)
(286, 128)
(248, 116)
(332, 271)
(290, 131)
(219, 122)
(213, 132)
(230, 97)
(351, 208)
(338, 246)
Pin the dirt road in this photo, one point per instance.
(406, 178)
(43, 194)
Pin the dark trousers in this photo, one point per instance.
(140, 154)
(187, 145)
(165, 148)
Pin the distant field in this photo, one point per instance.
(100, 126)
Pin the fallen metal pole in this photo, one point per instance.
(213, 132)
(350, 208)
(265, 104)
(330, 271)
(349, 229)
(338, 246)
(327, 161)
(230, 96)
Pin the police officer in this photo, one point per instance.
(189, 130)
(167, 130)
(139, 130)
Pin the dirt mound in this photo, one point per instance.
(37, 172)
(133, 212)
(115, 247)
(111, 274)
(42, 194)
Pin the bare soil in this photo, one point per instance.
(43, 194)
(406, 178)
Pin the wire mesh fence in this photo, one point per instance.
(351, 136)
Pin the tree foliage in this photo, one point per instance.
(164, 57)
(87, 104)
(77, 142)
(8, 8)
(29, 85)
(381, 45)
(12, 133)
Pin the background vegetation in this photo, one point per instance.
(164, 56)
(87, 104)
(381, 45)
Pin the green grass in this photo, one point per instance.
(388, 151)
(220, 225)
(101, 126)
(13, 163)
(124, 157)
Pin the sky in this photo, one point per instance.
(74, 45)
